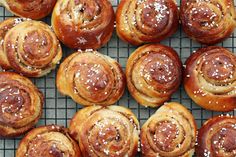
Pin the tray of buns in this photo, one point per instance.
(118, 78)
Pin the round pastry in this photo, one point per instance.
(106, 131)
(210, 78)
(34, 9)
(169, 132)
(20, 104)
(153, 74)
(5, 26)
(208, 22)
(144, 21)
(91, 78)
(217, 137)
(83, 24)
(48, 141)
(32, 48)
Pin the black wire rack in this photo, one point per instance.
(60, 109)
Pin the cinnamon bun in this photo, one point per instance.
(153, 74)
(217, 137)
(34, 9)
(32, 49)
(170, 132)
(20, 104)
(145, 21)
(208, 22)
(106, 131)
(210, 78)
(48, 141)
(91, 78)
(83, 24)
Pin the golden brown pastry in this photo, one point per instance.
(48, 141)
(83, 24)
(106, 131)
(31, 48)
(153, 74)
(210, 78)
(217, 137)
(145, 21)
(20, 104)
(34, 9)
(91, 78)
(170, 132)
(5, 26)
(208, 21)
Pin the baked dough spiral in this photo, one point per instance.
(153, 74)
(91, 78)
(48, 141)
(145, 21)
(83, 24)
(34, 9)
(32, 48)
(5, 26)
(20, 104)
(208, 21)
(217, 137)
(170, 132)
(210, 78)
(106, 131)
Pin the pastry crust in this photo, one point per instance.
(84, 24)
(208, 22)
(32, 48)
(106, 131)
(217, 137)
(145, 21)
(20, 104)
(153, 74)
(91, 78)
(210, 78)
(170, 132)
(33, 9)
(47, 141)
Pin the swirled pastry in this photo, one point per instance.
(145, 21)
(91, 78)
(34, 9)
(5, 26)
(106, 131)
(208, 21)
(48, 141)
(20, 104)
(153, 74)
(210, 78)
(31, 48)
(217, 137)
(170, 132)
(83, 24)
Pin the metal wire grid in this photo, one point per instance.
(59, 109)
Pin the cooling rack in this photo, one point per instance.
(59, 109)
